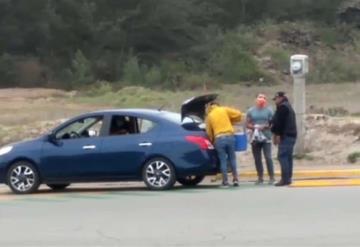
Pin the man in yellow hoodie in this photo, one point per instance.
(220, 130)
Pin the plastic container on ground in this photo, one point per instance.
(241, 138)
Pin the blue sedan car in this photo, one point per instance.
(155, 146)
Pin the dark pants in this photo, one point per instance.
(285, 156)
(256, 150)
(225, 147)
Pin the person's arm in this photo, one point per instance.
(279, 120)
(209, 130)
(234, 115)
(249, 121)
(276, 140)
(270, 117)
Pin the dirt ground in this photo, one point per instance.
(27, 113)
(329, 141)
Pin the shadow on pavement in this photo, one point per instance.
(107, 188)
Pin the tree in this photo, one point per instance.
(81, 70)
(7, 70)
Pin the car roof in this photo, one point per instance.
(131, 110)
(149, 113)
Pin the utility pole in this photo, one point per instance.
(299, 67)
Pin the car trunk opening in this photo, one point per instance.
(195, 106)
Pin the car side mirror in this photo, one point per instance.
(52, 139)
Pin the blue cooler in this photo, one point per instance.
(240, 141)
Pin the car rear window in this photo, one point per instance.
(189, 123)
(176, 118)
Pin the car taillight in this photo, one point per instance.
(202, 142)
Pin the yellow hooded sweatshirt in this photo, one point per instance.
(220, 120)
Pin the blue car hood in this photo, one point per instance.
(33, 143)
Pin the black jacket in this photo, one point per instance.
(284, 120)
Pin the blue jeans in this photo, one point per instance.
(256, 150)
(285, 156)
(225, 147)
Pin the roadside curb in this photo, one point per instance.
(310, 174)
(325, 183)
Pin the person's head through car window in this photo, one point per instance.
(119, 126)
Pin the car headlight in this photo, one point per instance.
(5, 150)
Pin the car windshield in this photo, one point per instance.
(79, 126)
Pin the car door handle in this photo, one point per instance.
(89, 147)
(145, 144)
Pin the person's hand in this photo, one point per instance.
(260, 127)
(276, 140)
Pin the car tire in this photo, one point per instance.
(57, 187)
(191, 180)
(23, 178)
(159, 174)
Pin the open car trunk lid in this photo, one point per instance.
(195, 106)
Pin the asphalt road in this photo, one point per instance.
(129, 215)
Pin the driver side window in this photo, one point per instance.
(82, 128)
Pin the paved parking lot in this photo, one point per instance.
(128, 215)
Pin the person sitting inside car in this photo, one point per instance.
(119, 126)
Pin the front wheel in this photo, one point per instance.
(159, 174)
(57, 186)
(23, 178)
(191, 180)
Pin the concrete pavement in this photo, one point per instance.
(122, 214)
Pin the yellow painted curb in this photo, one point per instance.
(344, 173)
(326, 183)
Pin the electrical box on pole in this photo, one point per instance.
(299, 67)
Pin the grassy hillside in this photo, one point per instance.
(25, 107)
(27, 113)
(321, 98)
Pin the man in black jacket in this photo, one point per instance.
(285, 133)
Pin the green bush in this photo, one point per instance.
(153, 76)
(329, 35)
(280, 58)
(236, 65)
(233, 61)
(199, 81)
(353, 157)
(7, 70)
(172, 74)
(99, 88)
(132, 71)
(81, 70)
(335, 69)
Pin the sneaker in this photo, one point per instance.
(224, 185)
(282, 183)
(271, 181)
(259, 181)
(236, 183)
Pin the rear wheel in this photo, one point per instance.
(159, 174)
(23, 178)
(191, 180)
(57, 186)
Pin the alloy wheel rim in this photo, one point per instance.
(158, 174)
(22, 178)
